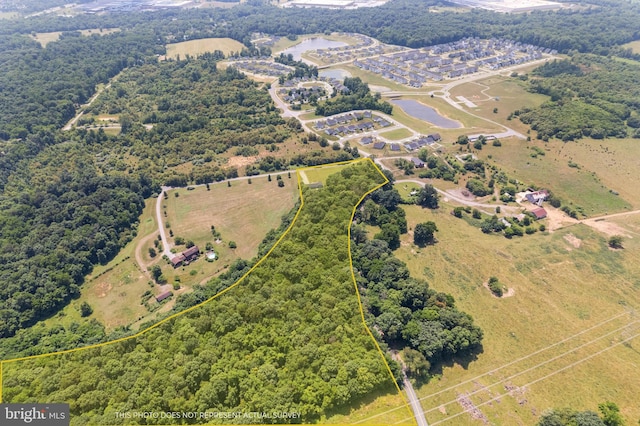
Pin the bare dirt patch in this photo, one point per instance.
(573, 240)
(556, 219)
(608, 228)
(240, 161)
(102, 289)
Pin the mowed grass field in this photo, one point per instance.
(569, 288)
(243, 213)
(397, 134)
(583, 186)
(319, 174)
(198, 47)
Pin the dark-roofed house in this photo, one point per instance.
(539, 213)
(378, 145)
(435, 136)
(395, 147)
(177, 260)
(191, 253)
(366, 140)
(162, 296)
(417, 162)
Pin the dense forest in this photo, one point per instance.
(288, 338)
(591, 96)
(60, 217)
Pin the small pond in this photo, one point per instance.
(311, 44)
(423, 112)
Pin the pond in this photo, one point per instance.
(312, 44)
(423, 112)
(338, 74)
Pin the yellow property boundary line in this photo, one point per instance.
(295, 218)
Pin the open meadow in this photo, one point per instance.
(195, 48)
(578, 184)
(242, 213)
(568, 333)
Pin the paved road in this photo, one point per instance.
(415, 402)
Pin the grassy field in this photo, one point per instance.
(46, 38)
(615, 162)
(583, 186)
(9, 15)
(318, 174)
(634, 45)
(197, 47)
(507, 94)
(397, 134)
(565, 283)
(243, 213)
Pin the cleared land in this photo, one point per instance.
(114, 290)
(634, 45)
(561, 289)
(46, 38)
(243, 213)
(198, 47)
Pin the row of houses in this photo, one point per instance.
(422, 141)
(418, 66)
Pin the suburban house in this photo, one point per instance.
(417, 162)
(539, 213)
(185, 257)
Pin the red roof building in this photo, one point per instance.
(539, 213)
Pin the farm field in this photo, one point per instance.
(243, 213)
(198, 47)
(582, 186)
(46, 38)
(568, 287)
